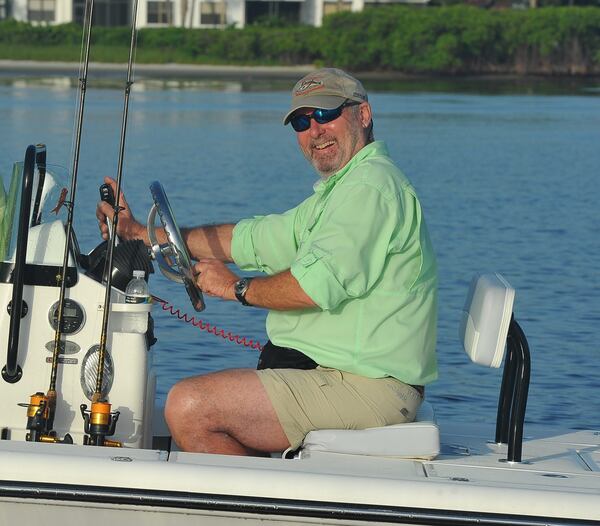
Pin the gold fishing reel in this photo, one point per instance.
(99, 422)
(40, 419)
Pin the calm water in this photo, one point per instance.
(508, 182)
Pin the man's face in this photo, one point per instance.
(330, 146)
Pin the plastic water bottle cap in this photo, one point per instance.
(139, 274)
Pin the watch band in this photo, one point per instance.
(240, 288)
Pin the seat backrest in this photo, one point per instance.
(486, 319)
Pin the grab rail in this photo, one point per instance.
(12, 372)
(514, 392)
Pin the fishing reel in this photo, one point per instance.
(99, 422)
(40, 419)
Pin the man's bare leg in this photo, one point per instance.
(226, 412)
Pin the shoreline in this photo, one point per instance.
(169, 71)
(282, 77)
(155, 71)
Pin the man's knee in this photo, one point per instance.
(178, 404)
(201, 398)
(187, 400)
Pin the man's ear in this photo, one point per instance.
(365, 114)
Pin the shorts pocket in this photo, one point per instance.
(326, 377)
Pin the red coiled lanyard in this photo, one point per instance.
(205, 326)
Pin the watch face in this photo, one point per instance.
(240, 286)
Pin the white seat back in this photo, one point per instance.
(486, 319)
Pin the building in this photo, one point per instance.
(183, 13)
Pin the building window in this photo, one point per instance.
(40, 10)
(112, 13)
(160, 13)
(106, 12)
(212, 13)
(336, 7)
(266, 11)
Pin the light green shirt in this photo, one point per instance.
(359, 247)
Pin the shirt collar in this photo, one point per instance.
(372, 149)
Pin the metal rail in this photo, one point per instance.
(12, 372)
(514, 391)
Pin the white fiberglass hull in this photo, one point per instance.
(558, 483)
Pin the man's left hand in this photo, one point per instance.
(214, 278)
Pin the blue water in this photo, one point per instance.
(509, 183)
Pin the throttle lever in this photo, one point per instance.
(108, 196)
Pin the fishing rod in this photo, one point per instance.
(42, 407)
(100, 421)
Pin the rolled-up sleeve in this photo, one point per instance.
(318, 280)
(346, 255)
(265, 243)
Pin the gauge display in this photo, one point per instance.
(73, 317)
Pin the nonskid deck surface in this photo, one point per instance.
(559, 475)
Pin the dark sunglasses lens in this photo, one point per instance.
(300, 122)
(325, 116)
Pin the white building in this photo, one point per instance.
(183, 13)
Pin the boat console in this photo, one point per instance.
(33, 236)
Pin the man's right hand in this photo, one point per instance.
(127, 227)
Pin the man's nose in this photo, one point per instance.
(316, 129)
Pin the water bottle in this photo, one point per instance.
(136, 293)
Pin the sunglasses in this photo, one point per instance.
(302, 122)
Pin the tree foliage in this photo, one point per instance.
(457, 39)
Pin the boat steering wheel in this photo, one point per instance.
(173, 257)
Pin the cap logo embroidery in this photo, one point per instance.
(308, 85)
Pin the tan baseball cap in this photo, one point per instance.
(327, 89)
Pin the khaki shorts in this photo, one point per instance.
(323, 398)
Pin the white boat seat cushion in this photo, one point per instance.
(419, 439)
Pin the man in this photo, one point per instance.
(350, 286)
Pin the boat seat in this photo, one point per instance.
(483, 331)
(418, 439)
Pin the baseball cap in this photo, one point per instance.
(327, 89)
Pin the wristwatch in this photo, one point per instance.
(240, 288)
